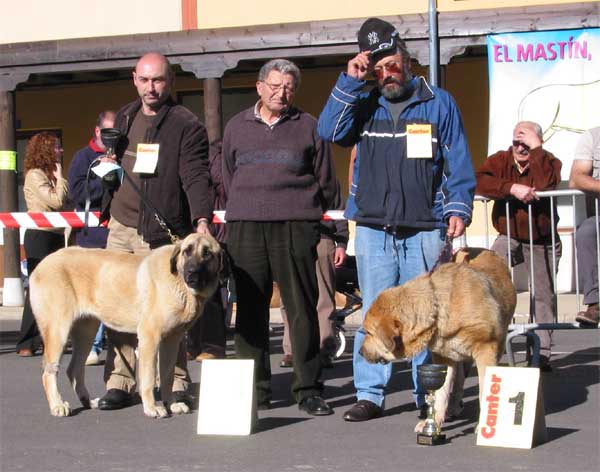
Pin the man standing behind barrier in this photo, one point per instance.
(175, 180)
(279, 179)
(585, 176)
(84, 185)
(412, 183)
(515, 175)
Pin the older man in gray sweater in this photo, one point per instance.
(279, 179)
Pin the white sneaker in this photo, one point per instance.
(93, 358)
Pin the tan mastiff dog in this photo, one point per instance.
(156, 296)
(460, 312)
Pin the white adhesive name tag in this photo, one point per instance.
(147, 158)
(512, 408)
(418, 141)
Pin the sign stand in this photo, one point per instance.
(226, 405)
(512, 408)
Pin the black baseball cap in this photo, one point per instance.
(379, 37)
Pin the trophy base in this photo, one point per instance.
(426, 440)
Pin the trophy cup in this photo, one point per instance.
(110, 138)
(431, 378)
(112, 174)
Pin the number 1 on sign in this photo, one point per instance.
(519, 401)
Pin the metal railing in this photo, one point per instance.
(528, 329)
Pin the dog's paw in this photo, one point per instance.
(179, 408)
(62, 409)
(156, 411)
(420, 426)
(94, 403)
(439, 419)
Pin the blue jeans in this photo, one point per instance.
(98, 340)
(385, 260)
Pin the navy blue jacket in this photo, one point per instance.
(96, 237)
(387, 187)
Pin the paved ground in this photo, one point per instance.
(286, 439)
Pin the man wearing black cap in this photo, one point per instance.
(412, 183)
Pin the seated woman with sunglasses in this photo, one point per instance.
(45, 189)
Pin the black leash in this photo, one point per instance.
(169, 229)
(445, 254)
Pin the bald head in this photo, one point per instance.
(153, 80)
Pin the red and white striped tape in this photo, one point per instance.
(74, 219)
(47, 219)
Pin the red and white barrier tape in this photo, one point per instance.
(47, 219)
(74, 219)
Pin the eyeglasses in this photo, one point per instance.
(391, 67)
(516, 144)
(58, 148)
(276, 88)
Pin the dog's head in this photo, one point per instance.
(383, 333)
(200, 262)
(399, 324)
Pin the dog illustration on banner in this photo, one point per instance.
(560, 108)
(156, 296)
(461, 311)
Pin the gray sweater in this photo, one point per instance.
(279, 173)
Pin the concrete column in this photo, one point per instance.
(12, 286)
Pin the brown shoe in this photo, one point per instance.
(363, 410)
(286, 361)
(25, 353)
(203, 356)
(590, 316)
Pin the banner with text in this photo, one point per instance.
(550, 77)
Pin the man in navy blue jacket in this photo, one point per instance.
(412, 183)
(78, 175)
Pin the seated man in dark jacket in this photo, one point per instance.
(516, 175)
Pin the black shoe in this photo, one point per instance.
(545, 365)
(114, 399)
(264, 406)
(315, 406)
(423, 412)
(363, 410)
(327, 362)
(180, 396)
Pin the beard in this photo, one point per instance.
(398, 89)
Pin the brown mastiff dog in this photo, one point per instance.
(460, 312)
(156, 296)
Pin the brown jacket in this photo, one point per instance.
(494, 180)
(180, 187)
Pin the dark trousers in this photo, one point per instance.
(587, 260)
(285, 252)
(38, 244)
(207, 334)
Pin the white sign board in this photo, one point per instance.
(226, 405)
(512, 408)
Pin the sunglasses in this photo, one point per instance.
(390, 67)
(516, 144)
